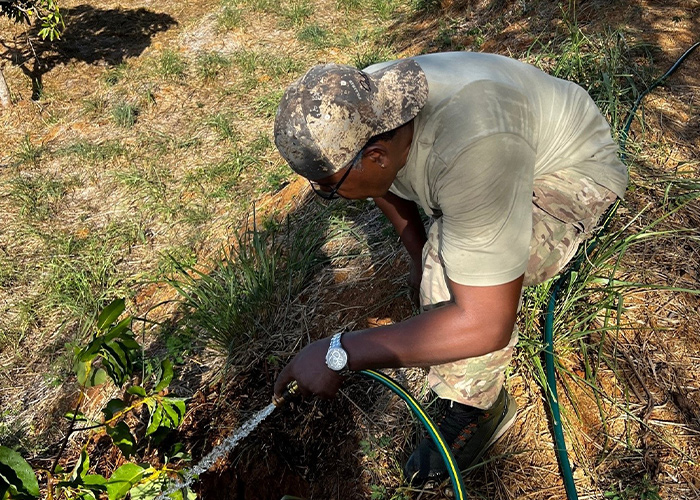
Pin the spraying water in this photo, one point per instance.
(219, 450)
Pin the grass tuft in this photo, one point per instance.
(314, 34)
(230, 17)
(297, 12)
(28, 152)
(124, 114)
(221, 123)
(211, 64)
(244, 296)
(171, 64)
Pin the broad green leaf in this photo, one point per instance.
(112, 408)
(118, 329)
(90, 351)
(95, 482)
(96, 377)
(122, 438)
(82, 371)
(123, 479)
(155, 421)
(110, 314)
(175, 411)
(128, 342)
(149, 489)
(151, 403)
(116, 363)
(137, 390)
(17, 474)
(80, 469)
(166, 375)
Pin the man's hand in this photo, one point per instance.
(415, 274)
(309, 369)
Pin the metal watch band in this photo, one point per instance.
(337, 357)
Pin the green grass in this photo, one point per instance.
(211, 64)
(369, 56)
(315, 35)
(93, 151)
(124, 114)
(221, 123)
(115, 74)
(27, 152)
(94, 105)
(171, 64)
(296, 12)
(38, 195)
(230, 17)
(266, 104)
(241, 298)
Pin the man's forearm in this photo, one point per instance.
(438, 336)
(405, 217)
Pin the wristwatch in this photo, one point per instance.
(337, 357)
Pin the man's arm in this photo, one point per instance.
(404, 216)
(479, 321)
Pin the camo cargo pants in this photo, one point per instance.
(565, 211)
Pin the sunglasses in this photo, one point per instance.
(320, 189)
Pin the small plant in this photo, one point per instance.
(211, 64)
(297, 12)
(110, 355)
(230, 17)
(221, 122)
(645, 490)
(314, 34)
(171, 64)
(115, 74)
(28, 152)
(94, 105)
(371, 56)
(124, 114)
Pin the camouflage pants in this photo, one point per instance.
(565, 211)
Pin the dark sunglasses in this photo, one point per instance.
(333, 193)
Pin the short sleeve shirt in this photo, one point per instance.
(491, 126)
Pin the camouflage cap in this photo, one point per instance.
(327, 116)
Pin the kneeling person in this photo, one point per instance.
(514, 167)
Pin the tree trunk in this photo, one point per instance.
(5, 100)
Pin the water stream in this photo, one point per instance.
(223, 448)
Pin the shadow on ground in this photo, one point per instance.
(92, 35)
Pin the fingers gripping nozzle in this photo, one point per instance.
(289, 393)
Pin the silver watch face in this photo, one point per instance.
(336, 359)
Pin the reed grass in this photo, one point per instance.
(245, 295)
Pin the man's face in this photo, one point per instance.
(369, 179)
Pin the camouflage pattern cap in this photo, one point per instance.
(329, 114)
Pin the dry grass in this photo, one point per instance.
(160, 142)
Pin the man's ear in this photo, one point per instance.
(377, 154)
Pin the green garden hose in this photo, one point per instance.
(551, 390)
(443, 448)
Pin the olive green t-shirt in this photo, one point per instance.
(491, 126)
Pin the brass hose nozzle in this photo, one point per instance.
(290, 392)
